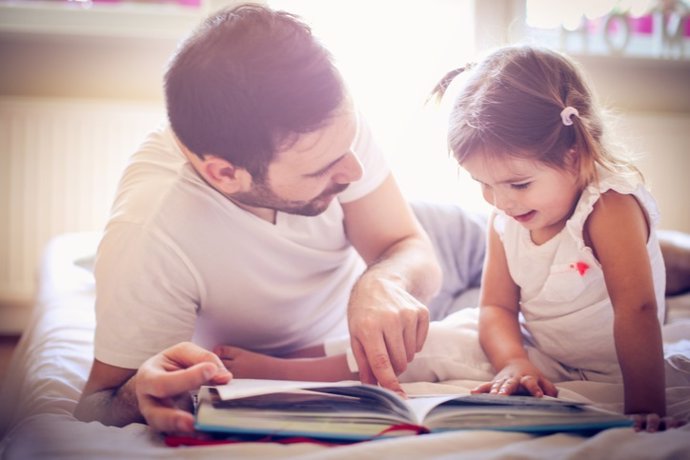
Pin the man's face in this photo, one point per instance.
(304, 178)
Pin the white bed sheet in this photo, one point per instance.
(53, 357)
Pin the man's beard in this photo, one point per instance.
(261, 196)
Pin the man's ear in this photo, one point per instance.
(223, 175)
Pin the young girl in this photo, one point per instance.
(573, 281)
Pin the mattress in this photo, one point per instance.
(53, 357)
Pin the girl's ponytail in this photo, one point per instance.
(440, 88)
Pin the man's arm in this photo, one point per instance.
(156, 393)
(387, 317)
(109, 396)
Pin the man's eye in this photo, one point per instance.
(320, 173)
(521, 186)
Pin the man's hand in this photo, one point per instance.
(387, 327)
(171, 374)
(387, 319)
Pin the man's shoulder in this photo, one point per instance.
(159, 182)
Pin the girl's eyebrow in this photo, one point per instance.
(515, 177)
(512, 180)
(509, 180)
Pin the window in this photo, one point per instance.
(166, 19)
(391, 54)
(630, 28)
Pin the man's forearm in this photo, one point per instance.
(113, 407)
(412, 264)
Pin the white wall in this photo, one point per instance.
(61, 70)
(653, 99)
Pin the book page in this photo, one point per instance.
(242, 388)
(422, 405)
(377, 399)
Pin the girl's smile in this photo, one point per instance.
(541, 198)
(523, 218)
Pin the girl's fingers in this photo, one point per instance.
(549, 388)
(653, 421)
(509, 386)
(496, 386)
(483, 388)
(531, 384)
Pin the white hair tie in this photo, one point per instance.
(567, 113)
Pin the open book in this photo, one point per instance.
(352, 411)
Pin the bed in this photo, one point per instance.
(52, 360)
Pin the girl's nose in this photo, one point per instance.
(501, 201)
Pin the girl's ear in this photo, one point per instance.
(571, 157)
(581, 165)
(571, 160)
(223, 175)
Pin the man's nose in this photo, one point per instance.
(349, 170)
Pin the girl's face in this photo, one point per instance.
(541, 198)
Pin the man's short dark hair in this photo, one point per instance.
(247, 81)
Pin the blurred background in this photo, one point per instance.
(80, 86)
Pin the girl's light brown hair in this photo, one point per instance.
(511, 104)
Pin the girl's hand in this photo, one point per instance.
(519, 376)
(652, 422)
(248, 364)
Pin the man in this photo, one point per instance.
(263, 217)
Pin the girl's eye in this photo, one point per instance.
(522, 186)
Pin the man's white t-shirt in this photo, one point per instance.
(179, 261)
